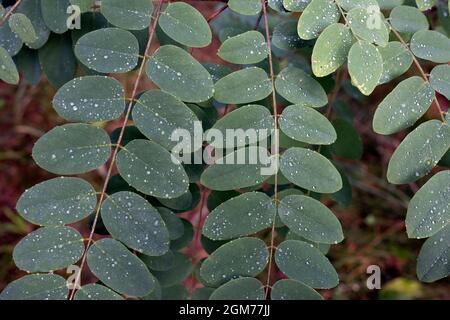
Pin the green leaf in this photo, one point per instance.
(429, 209)
(27, 62)
(305, 124)
(9, 40)
(244, 257)
(32, 9)
(108, 50)
(287, 289)
(96, 292)
(389, 4)
(131, 219)
(186, 238)
(310, 170)
(176, 292)
(130, 14)
(54, 13)
(246, 48)
(185, 202)
(348, 5)
(310, 219)
(239, 289)
(368, 26)
(401, 108)
(240, 216)
(256, 118)
(90, 99)
(227, 173)
(57, 59)
(22, 26)
(243, 86)
(295, 5)
(432, 263)
(160, 263)
(276, 5)
(424, 5)
(419, 152)
(152, 170)
(303, 262)
(158, 115)
(72, 149)
(397, 59)
(365, 66)
(331, 49)
(36, 287)
(285, 35)
(174, 224)
(247, 8)
(202, 293)
(348, 144)
(180, 270)
(119, 269)
(318, 15)
(431, 45)
(298, 87)
(48, 249)
(440, 80)
(177, 72)
(408, 19)
(8, 70)
(186, 25)
(58, 201)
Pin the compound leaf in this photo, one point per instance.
(360, 21)
(408, 19)
(22, 26)
(8, 70)
(440, 80)
(54, 13)
(397, 59)
(431, 45)
(247, 8)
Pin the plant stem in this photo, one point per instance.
(10, 12)
(119, 140)
(277, 147)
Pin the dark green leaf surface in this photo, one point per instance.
(246, 48)
(96, 292)
(130, 14)
(287, 289)
(72, 149)
(57, 201)
(239, 289)
(48, 249)
(119, 269)
(132, 220)
(36, 287)
(177, 72)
